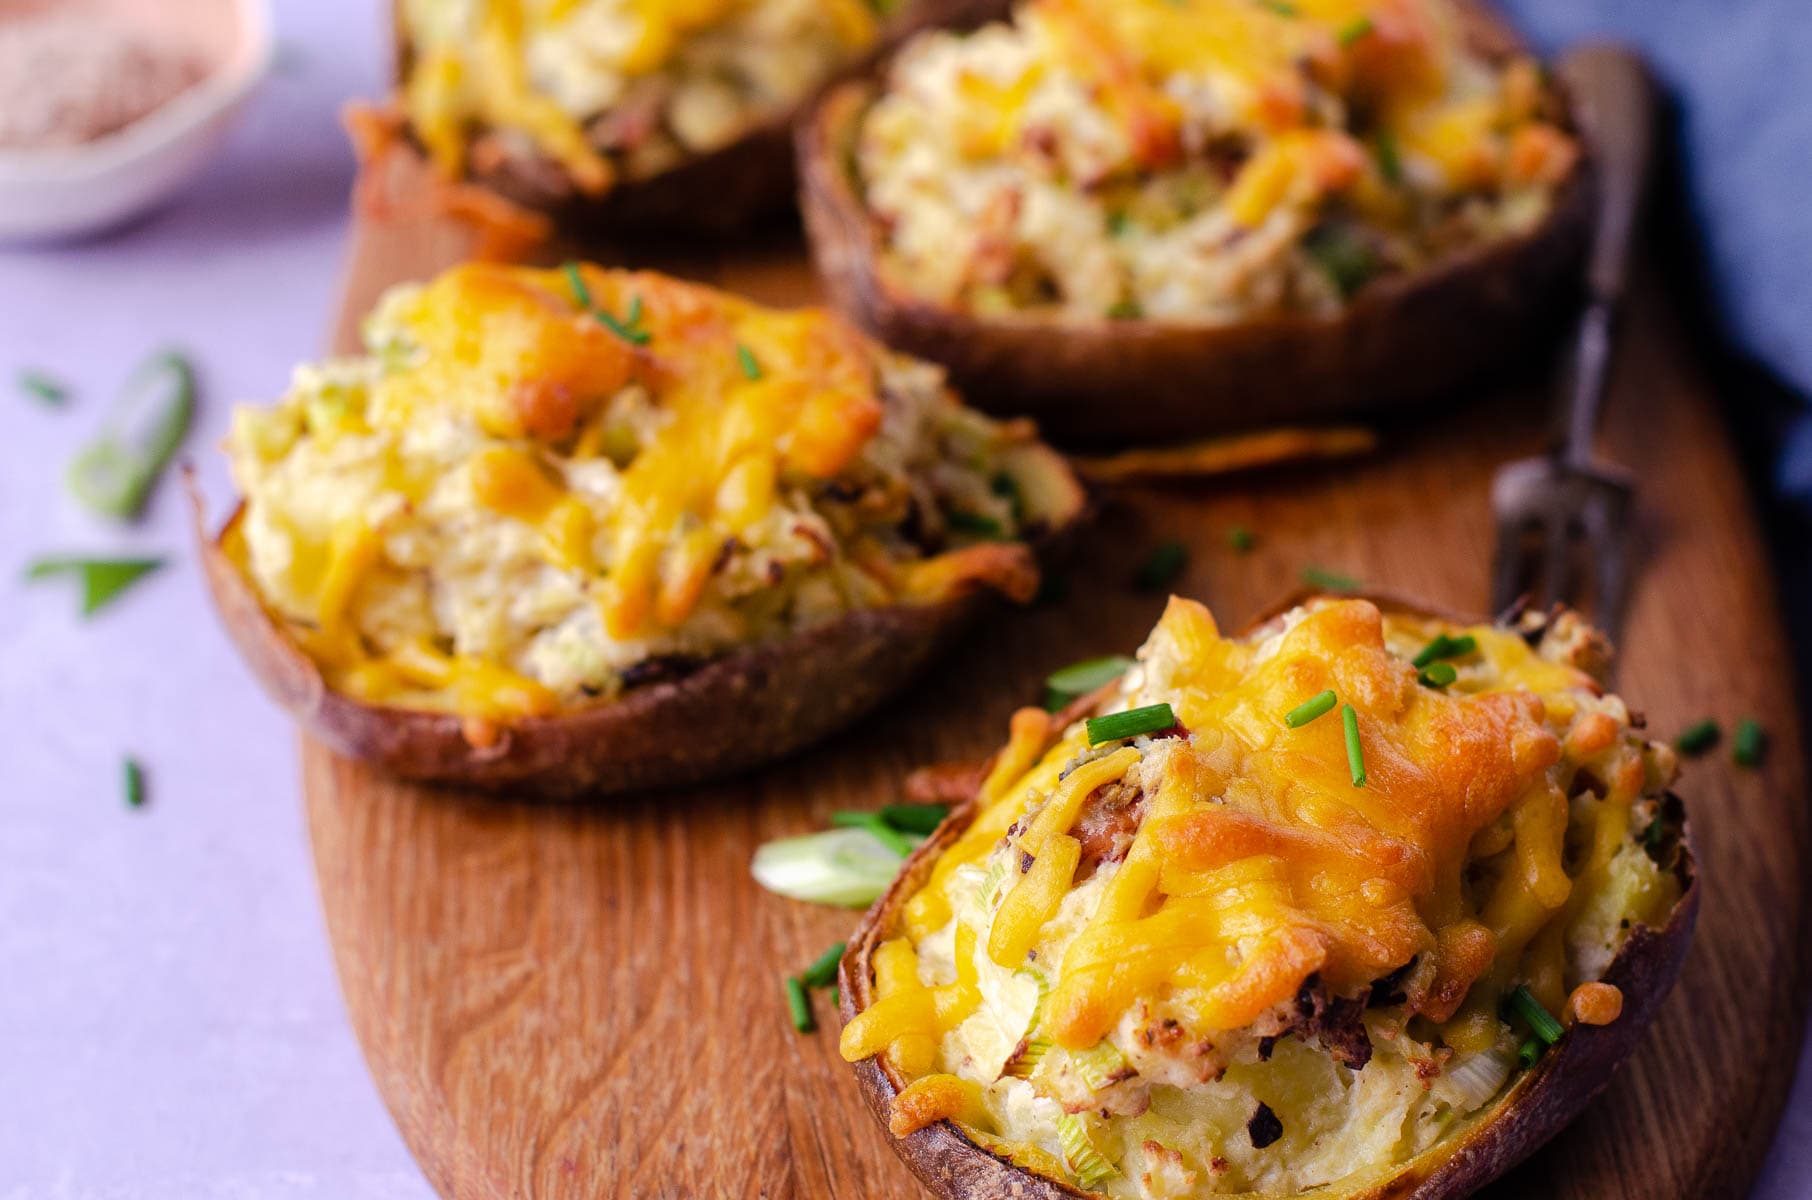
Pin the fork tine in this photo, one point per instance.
(1510, 566)
(1556, 584)
(1605, 518)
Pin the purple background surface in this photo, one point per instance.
(172, 1027)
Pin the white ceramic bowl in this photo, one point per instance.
(64, 192)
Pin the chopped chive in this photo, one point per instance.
(1390, 163)
(1317, 705)
(1438, 675)
(1356, 30)
(1087, 675)
(1125, 310)
(889, 836)
(1652, 835)
(1332, 581)
(576, 281)
(914, 818)
(114, 473)
(1697, 738)
(1007, 488)
(799, 1006)
(625, 329)
(1529, 1053)
(1118, 223)
(1749, 743)
(1355, 757)
(1345, 255)
(1241, 539)
(745, 358)
(1540, 1021)
(823, 971)
(976, 523)
(135, 783)
(1445, 647)
(1161, 567)
(102, 579)
(1134, 722)
(43, 388)
(1278, 7)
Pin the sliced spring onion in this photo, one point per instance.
(1438, 674)
(1698, 737)
(1539, 1020)
(914, 818)
(1278, 7)
(1132, 723)
(1080, 678)
(890, 837)
(1390, 162)
(1476, 1078)
(823, 971)
(115, 471)
(575, 280)
(1355, 756)
(1331, 581)
(745, 358)
(975, 523)
(1344, 256)
(103, 579)
(1241, 539)
(1090, 1167)
(135, 783)
(1125, 310)
(1315, 706)
(845, 867)
(1355, 30)
(1022, 1064)
(43, 389)
(1161, 567)
(1749, 743)
(1529, 1053)
(799, 1005)
(1444, 647)
(1100, 1065)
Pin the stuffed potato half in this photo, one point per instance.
(629, 113)
(1202, 960)
(588, 530)
(1238, 212)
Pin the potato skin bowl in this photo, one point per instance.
(1541, 1101)
(1400, 340)
(718, 193)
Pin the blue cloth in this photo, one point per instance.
(1741, 71)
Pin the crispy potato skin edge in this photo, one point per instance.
(1543, 1100)
(727, 190)
(1403, 340)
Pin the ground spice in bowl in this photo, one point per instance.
(71, 77)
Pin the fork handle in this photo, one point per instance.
(1616, 103)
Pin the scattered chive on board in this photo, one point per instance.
(135, 783)
(43, 388)
(1332, 581)
(1161, 567)
(102, 579)
(1082, 677)
(1134, 722)
(1241, 539)
(115, 471)
(914, 818)
(1541, 1022)
(1749, 743)
(1355, 755)
(823, 971)
(1697, 738)
(887, 834)
(1318, 705)
(799, 1006)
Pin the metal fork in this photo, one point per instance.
(1563, 518)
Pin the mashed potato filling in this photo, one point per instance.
(1203, 960)
(1204, 160)
(617, 87)
(542, 487)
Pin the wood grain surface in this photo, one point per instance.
(584, 1002)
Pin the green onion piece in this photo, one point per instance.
(1090, 1167)
(1529, 1053)
(889, 836)
(1390, 162)
(1161, 567)
(1438, 675)
(1329, 581)
(1278, 7)
(1652, 835)
(1118, 223)
(115, 471)
(745, 358)
(849, 868)
(135, 783)
(1355, 757)
(1007, 488)
(1125, 310)
(1445, 647)
(1241, 539)
(799, 1006)
(103, 579)
(575, 279)
(1345, 256)
(823, 971)
(1080, 678)
(1021, 1065)
(975, 523)
(914, 818)
(1540, 1021)
(43, 388)
(625, 329)
(1134, 722)
(1749, 743)
(1099, 1065)
(1315, 706)
(1356, 30)
(1697, 738)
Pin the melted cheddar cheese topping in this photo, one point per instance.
(1201, 158)
(607, 88)
(1159, 931)
(540, 482)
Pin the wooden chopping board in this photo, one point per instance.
(586, 1001)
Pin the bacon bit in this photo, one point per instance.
(1593, 1004)
(1541, 154)
(1281, 104)
(1106, 825)
(1334, 161)
(480, 733)
(1217, 1165)
(546, 407)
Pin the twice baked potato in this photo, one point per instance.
(1363, 903)
(1138, 219)
(634, 114)
(583, 530)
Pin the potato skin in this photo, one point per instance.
(717, 194)
(1542, 1101)
(734, 712)
(1401, 340)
